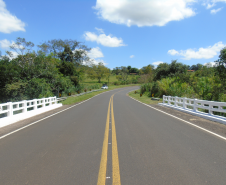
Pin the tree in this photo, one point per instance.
(23, 54)
(176, 67)
(98, 71)
(116, 70)
(147, 74)
(134, 70)
(123, 75)
(196, 67)
(222, 56)
(164, 70)
(221, 67)
(129, 67)
(148, 69)
(66, 50)
(21, 47)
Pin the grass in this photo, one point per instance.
(90, 82)
(112, 79)
(144, 99)
(73, 100)
(103, 80)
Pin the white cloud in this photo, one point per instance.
(201, 53)
(95, 53)
(210, 64)
(100, 30)
(4, 44)
(132, 56)
(97, 61)
(211, 3)
(9, 22)
(145, 12)
(105, 40)
(157, 63)
(208, 6)
(14, 55)
(173, 52)
(214, 11)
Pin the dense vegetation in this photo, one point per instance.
(207, 83)
(63, 66)
(55, 67)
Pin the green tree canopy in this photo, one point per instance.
(98, 71)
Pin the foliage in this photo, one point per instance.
(221, 68)
(55, 68)
(196, 67)
(63, 66)
(123, 69)
(98, 71)
(66, 50)
(169, 70)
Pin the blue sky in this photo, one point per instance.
(122, 32)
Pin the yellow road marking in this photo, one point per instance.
(103, 162)
(115, 162)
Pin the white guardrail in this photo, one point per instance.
(197, 107)
(14, 111)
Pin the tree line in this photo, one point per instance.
(56, 66)
(60, 66)
(177, 79)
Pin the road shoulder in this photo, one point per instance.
(212, 126)
(14, 126)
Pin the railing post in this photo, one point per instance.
(175, 101)
(35, 104)
(163, 99)
(184, 101)
(194, 106)
(25, 106)
(10, 108)
(210, 111)
(169, 100)
(55, 100)
(43, 103)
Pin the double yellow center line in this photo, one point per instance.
(115, 162)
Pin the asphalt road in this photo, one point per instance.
(112, 139)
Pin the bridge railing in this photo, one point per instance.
(196, 105)
(12, 112)
(10, 109)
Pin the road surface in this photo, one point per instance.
(112, 139)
